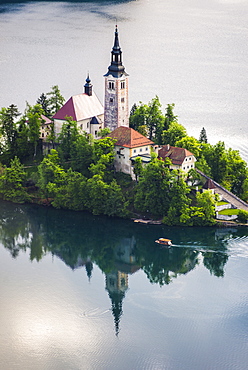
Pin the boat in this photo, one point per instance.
(163, 241)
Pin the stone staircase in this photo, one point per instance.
(226, 195)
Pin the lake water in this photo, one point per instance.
(83, 292)
(189, 52)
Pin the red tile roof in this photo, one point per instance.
(129, 138)
(80, 107)
(176, 155)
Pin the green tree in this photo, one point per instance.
(104, 132)
(105, 198)
(179, 202)
(203, 166)
(33, 117)
(70, 192)
(152, 195)
(203, 136)
(206, 206)
(175, 133)
(49, 171)
(55, 100)
(12, 182)
(44, 102)
(82, 154)
(237, 172)
(190, 143)
(67, 139)
(149, 115)
(243, 216)
(137, 168)
(169, 116)
(137, 116)
(194, 176)
(8, 128)
(23, 146)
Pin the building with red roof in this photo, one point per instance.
(180, 158)
(86, 109)
(129, 145)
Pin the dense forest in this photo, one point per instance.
(79, 174)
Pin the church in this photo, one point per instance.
(91, 116)
(87, 110)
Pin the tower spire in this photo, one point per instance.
(88, 86)
(116, 69)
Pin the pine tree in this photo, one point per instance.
(203, 136)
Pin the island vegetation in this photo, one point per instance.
(80, 175)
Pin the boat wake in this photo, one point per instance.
(94, 313)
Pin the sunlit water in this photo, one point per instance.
(82, 292)
(189, 52)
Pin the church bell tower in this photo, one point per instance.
(116, 111)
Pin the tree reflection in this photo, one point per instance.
(82, 239)
(118, 247)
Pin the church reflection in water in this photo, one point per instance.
(118, 248)
(117, 279)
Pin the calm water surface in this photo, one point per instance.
(189, 52)
(82, 292)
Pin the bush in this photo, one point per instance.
(242, 216)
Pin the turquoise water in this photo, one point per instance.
(85, 292)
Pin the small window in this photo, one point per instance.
(191, 165)
(140, 149)
(111, 85)
(134, 150)
(95, 133)
(87, 125)
(146, 148)
(122, 100)
(111, 100)
(189, 158)
(42, 135)
(187, 166)
(186, 159)
(122, 84)
(81, 126)
(183, 168)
